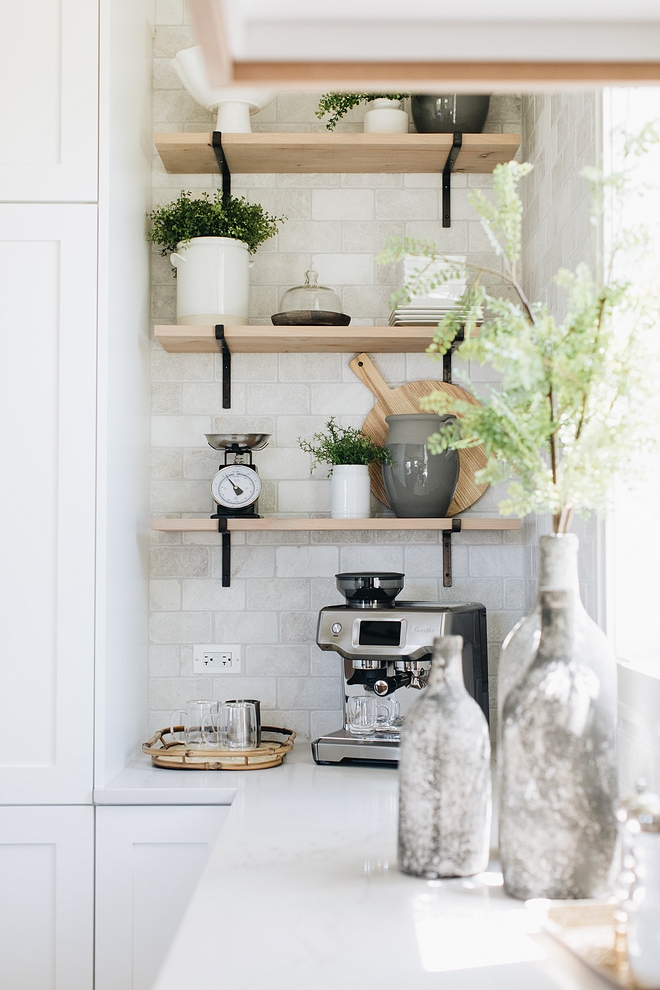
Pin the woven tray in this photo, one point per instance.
(166, 751)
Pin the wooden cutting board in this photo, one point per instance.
(405, 399)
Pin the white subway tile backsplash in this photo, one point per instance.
(307, 562)
(342, 204)
(280, 580)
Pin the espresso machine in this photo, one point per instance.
(387, 647)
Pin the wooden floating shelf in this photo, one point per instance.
(303, 525)
(289, 153)
(284, 340)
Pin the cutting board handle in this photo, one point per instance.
(366, 370)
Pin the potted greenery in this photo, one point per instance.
(349, 453)
(384, 117)
(209, 241)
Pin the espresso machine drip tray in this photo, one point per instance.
(387, 648)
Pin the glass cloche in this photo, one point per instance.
(311, 304)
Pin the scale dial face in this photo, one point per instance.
(236, 486)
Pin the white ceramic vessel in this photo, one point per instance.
(213, 282)
(386, 117)
(234, 106)
(351, 491)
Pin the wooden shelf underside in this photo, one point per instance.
(302, 525)
(284, 340)
(289, 153)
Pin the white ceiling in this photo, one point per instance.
(366, 30)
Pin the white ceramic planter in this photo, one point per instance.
(212, 281)
(351, 491)
(387, 117)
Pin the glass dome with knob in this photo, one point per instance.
(311, 304)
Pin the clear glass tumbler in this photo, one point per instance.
(237, 725)
(361, 715)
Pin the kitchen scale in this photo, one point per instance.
(236, 486)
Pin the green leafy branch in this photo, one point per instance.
(578, 399)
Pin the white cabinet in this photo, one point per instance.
(49, 100)
(148, 862)
(47, 902)
(47, 451)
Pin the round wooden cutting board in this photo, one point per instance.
(405, 399)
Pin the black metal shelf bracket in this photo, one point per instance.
(226, 551)
(446, 552)
(226, 365)
(223, 165)
(446, 179)
(447, 356)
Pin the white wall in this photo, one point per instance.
(561, 135)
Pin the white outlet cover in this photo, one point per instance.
(217, 658)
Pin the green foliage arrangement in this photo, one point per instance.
(338, 104)
(186, 218)
(579, 398)
(344, 446)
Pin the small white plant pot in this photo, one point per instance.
(212, 281)
(387, 117)
(351, 491)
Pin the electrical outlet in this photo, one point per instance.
(217, 658)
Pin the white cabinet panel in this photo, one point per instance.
(48, 100)
(47, 902)
(47, 411)
(148, 862)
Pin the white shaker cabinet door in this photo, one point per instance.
(148, 862)
(48, 100)
(47, 494)
(47, 902)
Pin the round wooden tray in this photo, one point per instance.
(175, 755)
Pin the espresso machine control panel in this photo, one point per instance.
(407, 634)
(387, 647)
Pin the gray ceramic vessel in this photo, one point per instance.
(419, 484)
(444, 114)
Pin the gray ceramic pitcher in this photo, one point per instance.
(419, 484)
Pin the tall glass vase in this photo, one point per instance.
(558, 571)
(557, 764)
(444, 775)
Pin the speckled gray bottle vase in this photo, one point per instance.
(558, 571)
(558, 779)
(444, 775)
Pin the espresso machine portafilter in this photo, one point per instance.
(387, 647)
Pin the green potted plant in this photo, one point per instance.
(209, 240)
(384, 117)
(349, 454)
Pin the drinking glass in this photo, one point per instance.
(236, 723)
(361, 714)
(196, 722)
(257, 705)
(388, 718)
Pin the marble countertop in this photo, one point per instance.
(302, 892)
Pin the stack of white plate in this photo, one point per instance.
(429, 310)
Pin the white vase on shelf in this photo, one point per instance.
(213, 283)
(351, 491)
(385, 117)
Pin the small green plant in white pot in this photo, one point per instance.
(384, 116)
(349, 454)
(210, 241)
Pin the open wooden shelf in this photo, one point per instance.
(278, 153)
(302, 525)
(284, 340)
